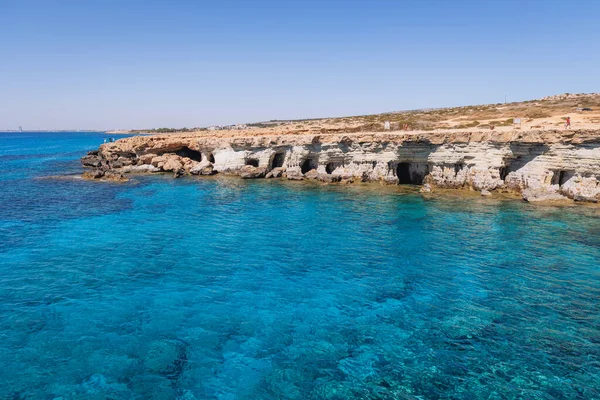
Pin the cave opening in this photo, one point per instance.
(252, 161)
(189, 153)
(503, 173)
(408, 174)
(329, 168)
(307, 165)
(403, 173)
(278, 160)
(562, 178)
(211, 158)
(559, 178)
(458, 167)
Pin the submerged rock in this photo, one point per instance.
(115, 177)
(533, 195)
(93, 174)
(166, 357)
(105, 175)
(153, 387)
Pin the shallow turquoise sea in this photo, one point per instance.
(220, 288)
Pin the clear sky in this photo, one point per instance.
(107, 64)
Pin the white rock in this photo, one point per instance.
(140, 169)
(426, 188)
(533, 195)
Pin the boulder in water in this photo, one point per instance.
(93, 174)
(275, 173)
(533, 195)
(294, 173)
(312, 174)
(203, 168)
(115, 177)
(327, 178)
(588, 199)
(91, 160)
(251, 172)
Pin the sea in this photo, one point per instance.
(222, 288)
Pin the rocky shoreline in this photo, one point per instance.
(538, 165)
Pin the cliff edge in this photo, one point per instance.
(540, 164)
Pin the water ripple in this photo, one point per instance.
(225, 289)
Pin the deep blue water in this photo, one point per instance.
(219, 288)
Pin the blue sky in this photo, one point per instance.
(105, 64)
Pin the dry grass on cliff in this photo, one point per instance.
(548, 111)
(544, 113)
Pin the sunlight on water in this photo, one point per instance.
(229, 289)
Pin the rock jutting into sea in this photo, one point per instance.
(542, 165)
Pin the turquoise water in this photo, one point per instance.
(230, 289)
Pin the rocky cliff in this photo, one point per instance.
(542, 165)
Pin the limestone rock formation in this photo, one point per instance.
(537, 195)
(312, 174)
(294, 174)
(203, 168)
(91, 160)
(251, 172)
(140, 169)
(94, 174)
(275, 173)
(565, 163)
(327, 178)
(105, 175)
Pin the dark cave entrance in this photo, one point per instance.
(503, 173)
(211, 158)
(307, 165)
(278, 160)
(560, 177)
(189, 153)
(403, 173)
(329, 168)
(411, 173)
(252, 161)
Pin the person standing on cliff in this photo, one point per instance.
(568, 123)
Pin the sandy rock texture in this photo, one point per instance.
(541, 164)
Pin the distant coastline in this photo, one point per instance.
(118, 132)
(51, 130)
